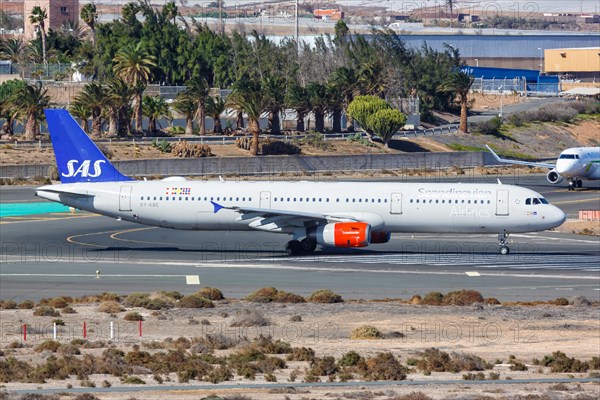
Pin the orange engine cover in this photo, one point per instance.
(344, 234)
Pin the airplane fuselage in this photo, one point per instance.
(386, 206)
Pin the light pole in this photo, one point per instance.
(477, 62)
(541, 62)
(501, 100)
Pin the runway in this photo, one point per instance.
(60, 254)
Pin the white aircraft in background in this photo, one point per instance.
(338, 214)
(575, 164)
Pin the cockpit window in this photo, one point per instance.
(537, 201)
(569, 156)
(544, 201)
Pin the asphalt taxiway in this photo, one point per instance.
(79, 253)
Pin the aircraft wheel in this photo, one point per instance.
(504, 250)
(293, 248)
(579, 183)
(308, 245)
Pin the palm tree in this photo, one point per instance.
(133, 64)
(186, 106)
(214, 108)
(155, 107)
(80, 111)
(248, 97)
(460, 84)
(197, 89)
(274, 89)
(317, 94)
(30, 102)
(95, 98)
(296, 97)
(89, 15)
(120, 95)
(38, 16)
(344, 79)
(12, 50)
(8, 109)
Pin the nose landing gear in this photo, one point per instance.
(575, 182)
(503, 249)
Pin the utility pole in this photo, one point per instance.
(221, 27)
(297, 30)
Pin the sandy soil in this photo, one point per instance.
(492, 332)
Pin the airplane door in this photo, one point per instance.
(396, 203)
(125, 198)
(502, 202)
(265, 200)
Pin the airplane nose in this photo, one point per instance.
(563, 167)
(556, 217)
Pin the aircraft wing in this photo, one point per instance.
(518, 162)
(273, 219)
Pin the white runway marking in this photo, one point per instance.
(192, 280)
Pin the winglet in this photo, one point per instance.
(217, 206)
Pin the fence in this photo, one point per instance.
(515, 85)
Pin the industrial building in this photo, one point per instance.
(59, 12)
(573, 63)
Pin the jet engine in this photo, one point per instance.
(380, 237)
(554, 177)
(344, 234)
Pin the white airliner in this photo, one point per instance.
(342, 214)
(575, 164)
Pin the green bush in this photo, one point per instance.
(350, 359)
(489, 127)
(325, 296)
(195, 301)
(559, 362)
(325, 366)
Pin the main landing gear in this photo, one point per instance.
(304, 246)
(504, 249)
(573, 183)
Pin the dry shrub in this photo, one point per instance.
(185, 149)
(156, 301)
(383, 366)
(416, 300)
(301, 354)
(365, 332)
(48, 345)
(45, 311)
(435, 360)
(250, 317)
(26, 304)
(110, 307)
(559, 362)
(218, 341)
(492, 301)
(195, 301)
(469, 362)
(272, 295)
(133, 316)
(433, 299)
(325, 296)
(211, 293)
(413, 396)
(561, 301)
(325, 366)
(8, 304)
(60, 302)
(462, 298)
